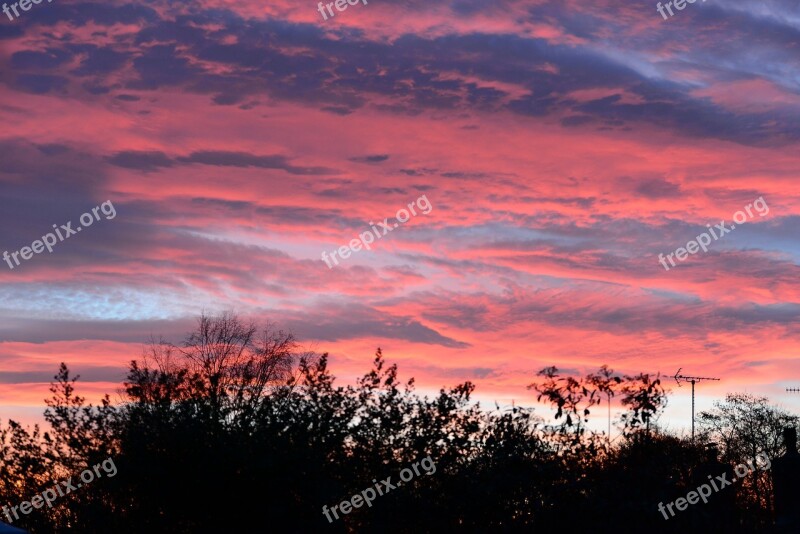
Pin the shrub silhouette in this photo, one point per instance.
(236, 430)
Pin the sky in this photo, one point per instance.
(561, 146)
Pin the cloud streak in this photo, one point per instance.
(563, 144)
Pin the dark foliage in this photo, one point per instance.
(235, 431)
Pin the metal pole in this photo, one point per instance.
(678, 377)
(692, 411)
(609, 419)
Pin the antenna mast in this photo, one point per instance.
(692, 379)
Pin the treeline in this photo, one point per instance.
(235, 430)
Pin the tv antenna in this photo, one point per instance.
(692, 379)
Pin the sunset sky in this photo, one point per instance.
(562, 144)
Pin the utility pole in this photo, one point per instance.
(693, 379)
(604, 382)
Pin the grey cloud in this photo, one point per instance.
(377, 158)
(145, 161)
(223, 158)
(48, 330)
(354, 321)
(87, 374)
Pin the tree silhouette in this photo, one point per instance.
(237, 430)
(645, 398)
(744, 426)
